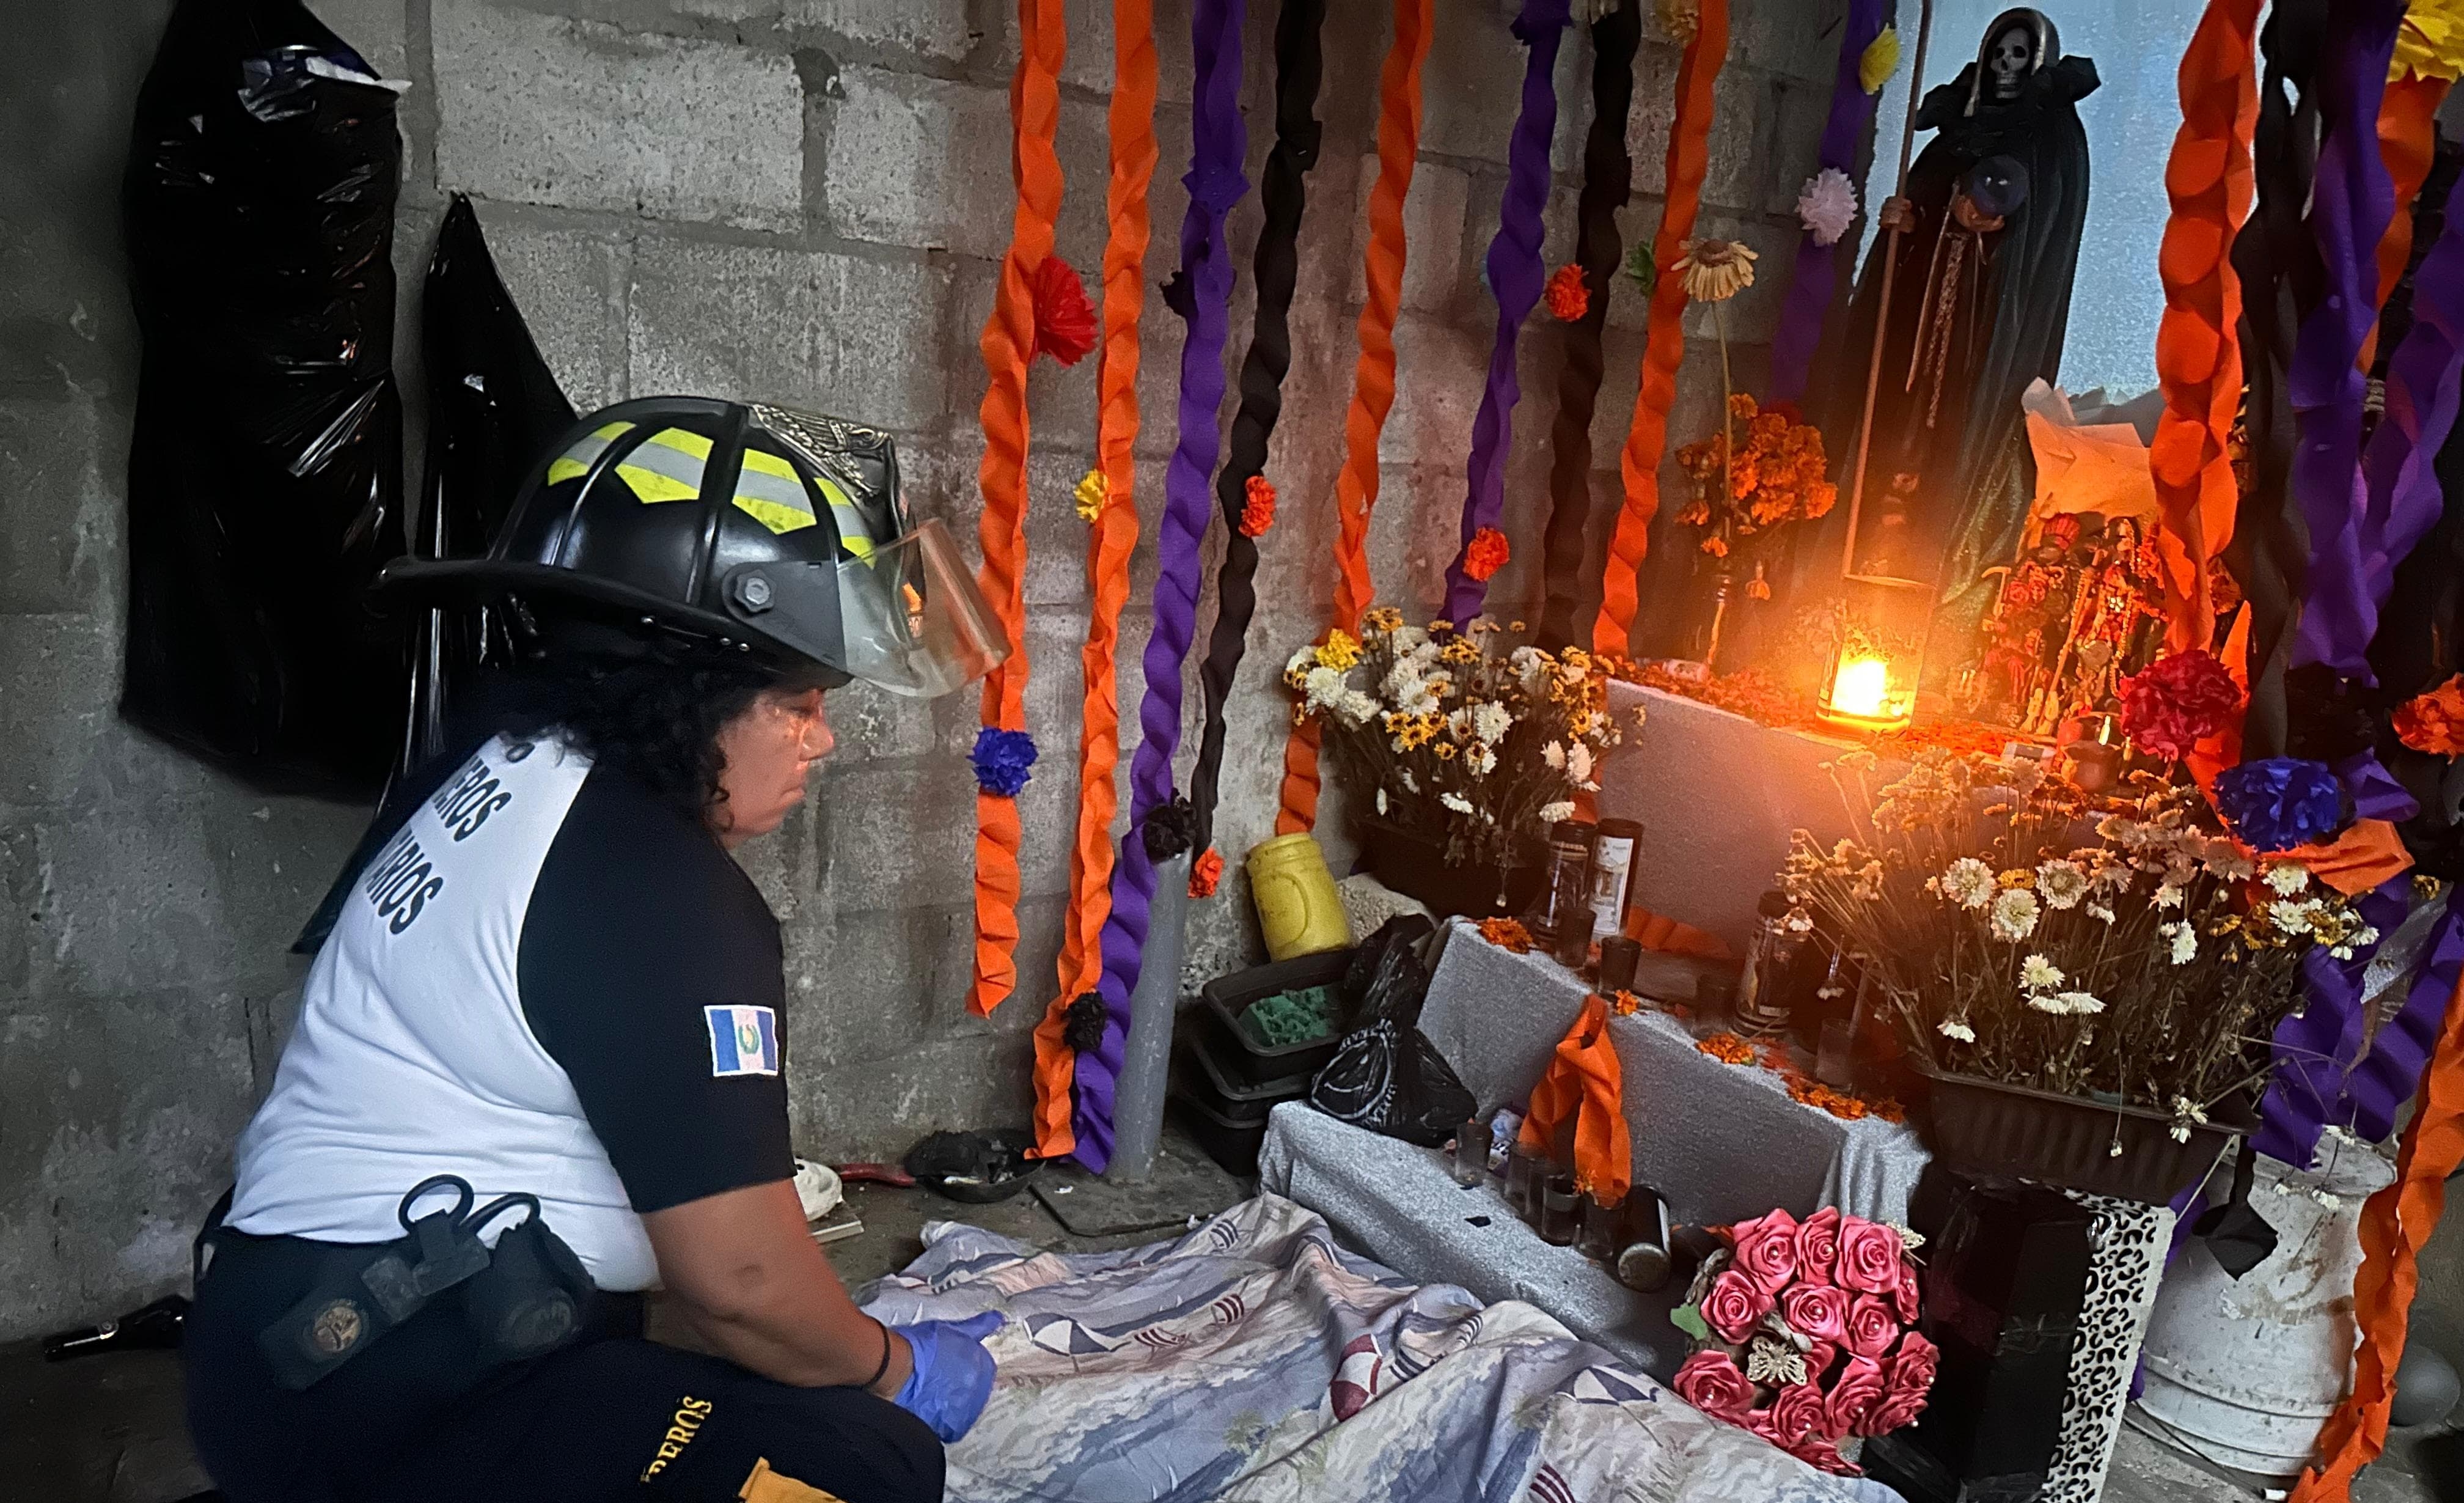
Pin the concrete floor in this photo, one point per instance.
(108, 1430)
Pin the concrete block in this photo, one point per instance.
(1738, 174)
(937, 31)
(1091, 62)
(61, 545)
(117, 1115)
(571, 287)
(919, 161)
(1439, 373)
(1799, 38)
(984, 1080)
(377, 30)
(544, 110)
(1796, 140)
(1435, 212)
(1753, 314)
(1471, 87)
(832, 332)
(896, 837)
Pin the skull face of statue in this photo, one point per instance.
(2009, 59)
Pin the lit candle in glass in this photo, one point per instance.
(1876, 655)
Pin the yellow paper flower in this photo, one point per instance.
(1716, 271)
(1341, 651)
(2430, 41)
(1880, 60)
(1092, 493)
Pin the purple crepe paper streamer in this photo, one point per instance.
(2399, 465)
(1516, 277)
(1812, 281)
(2387, 1076)
(1202, 297)
(2352, 199)
(2316, 1051)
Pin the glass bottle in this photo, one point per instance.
(1761, 1006)
(1613, 847)
(1557, 1200)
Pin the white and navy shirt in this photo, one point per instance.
(547, 981)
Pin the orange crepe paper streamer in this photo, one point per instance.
(1109, 541)
(1373, 377)
(2198, 354)
(2363, 856)
(1008, 343)
(1689, 158)
(2395, 1222)
(2408, 138)
(1585, 1086)
(1672, 936)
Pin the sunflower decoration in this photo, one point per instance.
(2430, 42)
(1716, 271)
(1093, 492)
(1880, 59)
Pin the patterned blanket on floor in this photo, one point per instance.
(1253, 1360)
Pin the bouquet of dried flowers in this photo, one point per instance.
(1463, 738)
(1805, 1333)
(2129, 949)
(1763, 467)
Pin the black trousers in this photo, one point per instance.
(418, 1417)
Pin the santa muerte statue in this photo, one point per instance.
(1989, 236)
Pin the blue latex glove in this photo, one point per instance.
(953, 1373)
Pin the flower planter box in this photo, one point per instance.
(1417, 868)
(1986, 1127)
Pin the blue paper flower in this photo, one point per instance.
(2281, 802)
(1002, 759)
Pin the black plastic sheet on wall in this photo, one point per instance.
(265, 474)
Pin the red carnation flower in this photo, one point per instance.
(1258, 513)
(1065, 320)
(1570, 296)
(1205, 872)
(2175, 702)
(1485, 554)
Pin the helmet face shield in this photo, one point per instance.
(911, 619)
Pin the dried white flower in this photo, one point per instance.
(2226, 863)
(1967, 882)
(1490, 721)
(1479, 759)
(2014, 915)
(1956, 1029)
(2062, 883)
(1324, 687)
(1455, 801)
(2184, 940)
(2167, 895)
(2178, 1133)
(2038, 973)
(1381, 801)
(1557, 812)
(1554, 756)
(2113, 1150)
(2288, 877)
(2077, 1002)
(1355, 708)
(1798, 921)
(1578, 764)
(2099, 912)
(1411, 784)
(1301, 661)
(1409, 639)
(2291, 917)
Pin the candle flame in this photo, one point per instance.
(1862, 687)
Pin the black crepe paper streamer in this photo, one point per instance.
(493, 410)
(1298, 66)
(2281, 278)
(1170, 828)
(1608, 179)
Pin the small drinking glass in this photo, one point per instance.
(1469, 1164)
(1834, 1064)
(1526, 1168)
(1557, 1199)
(1596, 1227)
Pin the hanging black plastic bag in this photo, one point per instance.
(1386, 1075)
(265, 474)
(493, 407)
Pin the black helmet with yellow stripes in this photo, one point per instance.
(769, 531)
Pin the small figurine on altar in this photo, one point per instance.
(2030, 621)
(2116, 625)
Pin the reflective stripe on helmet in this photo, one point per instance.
(667, 466)
(769, 490)
(575, 462)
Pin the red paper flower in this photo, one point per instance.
(1870, 1257)
(1817, 1247)
(1766, 1249)
(1570, 296)
(1205, 872)
(1258, 511)
(1709, 1382)
(1817, 1311)
(1065, 320)
(1485, 554)
(1796, 1413)
(1854, 1393)
(1873, 1325)
(2170, 706)
(2433, 722)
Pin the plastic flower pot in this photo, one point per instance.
(1986, 1127)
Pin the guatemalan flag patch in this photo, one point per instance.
(743, 1041)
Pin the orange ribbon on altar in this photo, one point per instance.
(1584, 1088)
(1112, 536)
(1373, 377)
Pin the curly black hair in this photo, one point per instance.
(654, 716)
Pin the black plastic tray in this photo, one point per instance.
(1232, 1144)
(1242, 1058)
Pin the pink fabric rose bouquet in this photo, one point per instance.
(1805, 1333)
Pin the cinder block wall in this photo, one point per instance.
(797, 200)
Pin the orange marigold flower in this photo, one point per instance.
(1758, 587)
(2433, 722)
(1716, 546)
(1570, 296)
(1485, 554)
(1741, 406)
(1258, 514)
(1624, 1004)
(1728, 1049)
(1506, 934)
(1205, 874)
